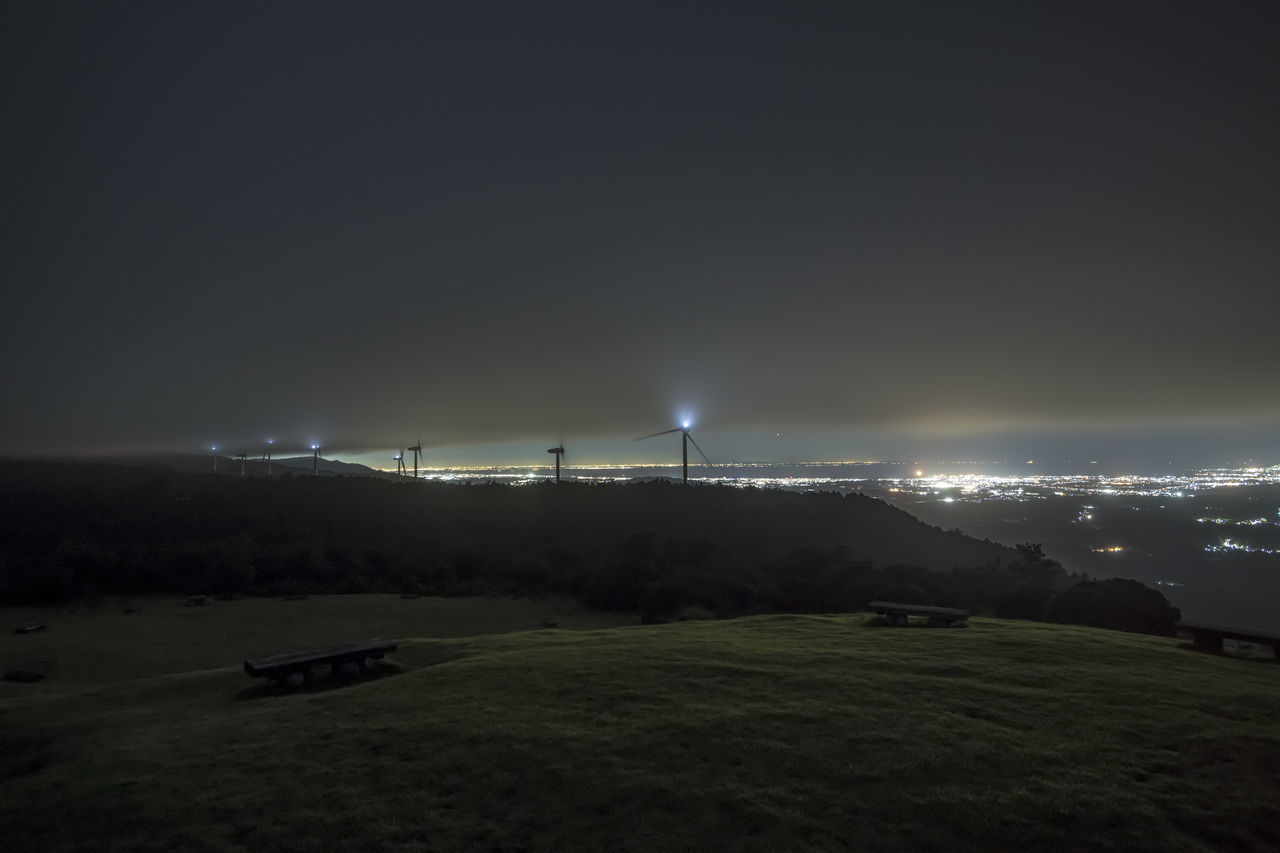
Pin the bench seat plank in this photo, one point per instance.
(900, 609)
(283, 664)
(1262, 637)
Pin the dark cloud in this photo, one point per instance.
(364, 221)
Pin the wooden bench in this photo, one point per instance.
(1208, 638)
(896, 613)
(282, 667)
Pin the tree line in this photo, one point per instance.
(654, 548)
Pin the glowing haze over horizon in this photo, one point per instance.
(841, 231)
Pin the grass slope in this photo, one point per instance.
(766, 733)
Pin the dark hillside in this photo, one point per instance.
(68, 530)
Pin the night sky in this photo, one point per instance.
(831, 231)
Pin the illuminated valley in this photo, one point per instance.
(1208, 538)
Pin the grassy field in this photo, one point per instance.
(765, 733)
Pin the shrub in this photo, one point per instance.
(661, 601)
(35, 582)
(1122, 605)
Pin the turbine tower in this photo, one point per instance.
(214, 451)
(417, 449)
(241, 457)
(270, 441)
(558, 450)
(686, 440)
(315, 459)
(400, 464)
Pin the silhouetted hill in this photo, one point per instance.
(227, 464)
(71, 529)
(328, 467)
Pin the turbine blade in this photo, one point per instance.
(710, 464)
(656, 434)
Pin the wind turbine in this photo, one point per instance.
(214, 451)
(270, 441)
(315, 459)
(400, 464)
(417, 448)
(241, 457)
(558, 450)
(686, 440)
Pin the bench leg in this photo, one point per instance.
(349, 668)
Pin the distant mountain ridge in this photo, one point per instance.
(330, 467)
(227, 464)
